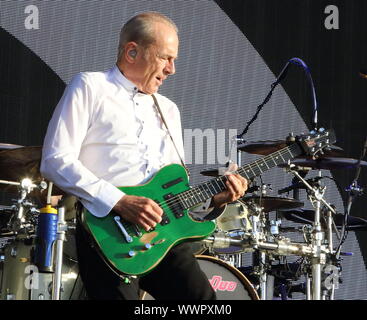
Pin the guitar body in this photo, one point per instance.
(112, 244)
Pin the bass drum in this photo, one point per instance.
(227, 282)
(21, 281)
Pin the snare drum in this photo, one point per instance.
(228, 282)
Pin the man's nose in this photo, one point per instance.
(170, 67)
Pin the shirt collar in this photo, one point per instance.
(122, 80)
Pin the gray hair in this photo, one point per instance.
(139, 29)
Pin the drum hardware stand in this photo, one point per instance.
(318, 257)
(61, 229)
(26, 187)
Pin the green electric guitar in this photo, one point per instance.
(130, 250)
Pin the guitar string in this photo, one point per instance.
(179, 198)
(176, 199)
(192, 192)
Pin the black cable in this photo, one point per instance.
(354, 191)
(72, 290)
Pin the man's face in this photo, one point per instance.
(156, 62)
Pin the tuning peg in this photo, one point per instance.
(291, 137)
(321, 130)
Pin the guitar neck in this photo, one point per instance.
(208, 189)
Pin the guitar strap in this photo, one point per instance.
(169, 133)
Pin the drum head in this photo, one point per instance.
(234, 217)
(227, 282)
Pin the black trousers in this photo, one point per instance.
(177, 277)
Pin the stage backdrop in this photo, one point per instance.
(230, 53)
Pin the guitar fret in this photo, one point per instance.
(252, 171)
(216, 181)
(243, 172)
(273, 160)
(266, 163)
(196, 196)
(189, 200)
(289, 150)
(281, 157)
(224, 184)
(182, 200)
(207, 196)
(258, 167)
(211, 188)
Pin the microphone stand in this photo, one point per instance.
(354, 191)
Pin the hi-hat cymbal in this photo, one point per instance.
(326, 163)
(270, 146)
(274, 203)
(308, 216)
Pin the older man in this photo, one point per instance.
(106, 131)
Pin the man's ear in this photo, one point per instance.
(131, 51)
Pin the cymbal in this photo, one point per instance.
(308, 216)
(6, 146)
(210, 172)
(270, 146)
(274, 203)
(19, 163)
(327, 163)
(262, 147)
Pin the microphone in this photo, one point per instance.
(299, 185)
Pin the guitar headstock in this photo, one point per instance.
(316, 141)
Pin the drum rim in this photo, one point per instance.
(246, 282)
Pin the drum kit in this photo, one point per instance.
(245, 227)
(252, 226)
(20, 278)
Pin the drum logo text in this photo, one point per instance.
(218, 284)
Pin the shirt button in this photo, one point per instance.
(137, 103)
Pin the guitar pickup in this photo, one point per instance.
(175, 206)
(165, 220)
(179, 214)
(172, 183)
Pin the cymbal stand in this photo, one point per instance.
(319, 256)
(260, 257)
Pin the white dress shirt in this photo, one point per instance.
(103, 134)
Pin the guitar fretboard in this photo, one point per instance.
(208, 189)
